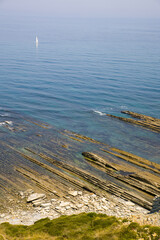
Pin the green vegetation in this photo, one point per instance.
(83, 226)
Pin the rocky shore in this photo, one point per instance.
(32, 207)
(46, 172)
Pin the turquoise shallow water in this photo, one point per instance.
(81, 69)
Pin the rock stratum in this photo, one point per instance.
(143, 120)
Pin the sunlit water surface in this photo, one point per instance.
(81, 69)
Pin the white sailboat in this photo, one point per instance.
(36, 41)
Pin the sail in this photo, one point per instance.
(36, 39)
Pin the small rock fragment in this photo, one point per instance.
(128, 203)
(73, 193)
(64, 204)
(45, 205)
(35, 196)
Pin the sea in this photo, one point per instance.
(81, 70)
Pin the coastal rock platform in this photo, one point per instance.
(47, 172)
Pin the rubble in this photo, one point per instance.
(76, 203)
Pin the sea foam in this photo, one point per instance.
(6, 123)
(100, 113)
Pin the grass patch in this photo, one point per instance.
(80, 227)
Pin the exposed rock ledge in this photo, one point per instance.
(143, 120)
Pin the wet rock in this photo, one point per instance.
(65, 146)
(8, 122)
(38, 135)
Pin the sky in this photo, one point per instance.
(83, 8)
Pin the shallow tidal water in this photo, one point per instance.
(82, 69)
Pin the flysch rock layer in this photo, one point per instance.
(148, 122)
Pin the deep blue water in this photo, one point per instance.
(82, 66)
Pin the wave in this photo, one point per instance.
(2, 123)
(123, 107)
(100, 113)
(5, 115)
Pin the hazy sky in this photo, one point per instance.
(83, 8)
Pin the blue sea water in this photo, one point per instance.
(81, 69)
